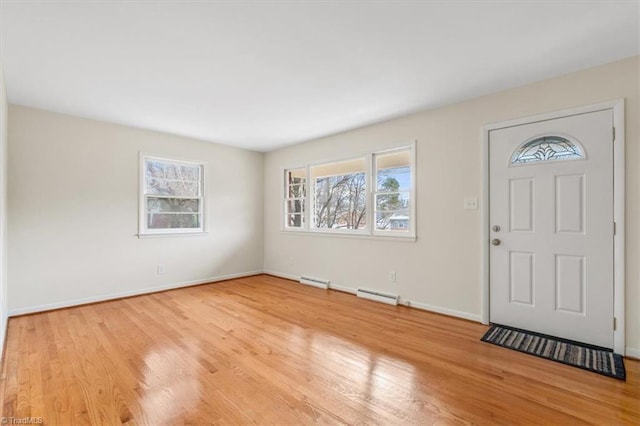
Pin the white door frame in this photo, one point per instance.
(617, 106)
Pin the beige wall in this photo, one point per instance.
(441, 270)
(3, 209)
(73, 212)
(73, 204)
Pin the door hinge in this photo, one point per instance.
(615, 324)
(614, 228)
(614, 134)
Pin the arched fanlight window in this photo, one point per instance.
(547, 148)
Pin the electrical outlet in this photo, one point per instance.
(161, 269)
(392, 277)
(471, 204)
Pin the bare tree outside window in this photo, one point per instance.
(372, 194)
(340, 201)
(173, 195)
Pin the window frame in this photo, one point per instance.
(411, 232)
(143, 229)
(369, 230)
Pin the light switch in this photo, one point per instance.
(471, 204)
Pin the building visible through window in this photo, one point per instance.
(371, 194)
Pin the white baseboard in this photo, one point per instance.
(82, 301)
(442, 310)
(418, 305)
(282, 275)
(632, 353)
(120, 295)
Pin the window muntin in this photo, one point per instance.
(295, 197)
(340, 195)
(172, 196)
(392, 193)
(547, 148)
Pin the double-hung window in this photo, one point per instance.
(372, 194)
(172, 196)
(295, 196)
(392, 191)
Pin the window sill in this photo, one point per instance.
(401, 238)
(173, 234)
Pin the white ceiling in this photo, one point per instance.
(261, 75)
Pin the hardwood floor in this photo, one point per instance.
(270, 351)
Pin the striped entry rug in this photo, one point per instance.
(588, 357)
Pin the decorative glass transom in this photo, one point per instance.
(547, 148)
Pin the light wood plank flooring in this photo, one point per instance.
(270, 351)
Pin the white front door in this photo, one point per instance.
(551, 218)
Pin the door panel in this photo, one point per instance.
(521, 277)
(569, 206)
(570, 283)
(551, 193)
(521, 205)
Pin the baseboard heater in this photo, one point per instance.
(389, 299)
(315, 282)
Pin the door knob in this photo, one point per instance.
(495, 242)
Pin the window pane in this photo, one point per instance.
(172, 192)
(338, 168)
(393, 221)
(295, 220)
(161, 205)
(393, 186)
(296, 191)
(393, 201)
(167, 178)
(393, 171)
(340, 196)
(157, 169)
(295, 176)
(173, 221)
(295, 206)
(295, 194)
(173, 187)
(547, 148)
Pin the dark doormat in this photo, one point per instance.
(588, 357)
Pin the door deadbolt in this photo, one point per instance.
(495, 242)
(496, 228)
